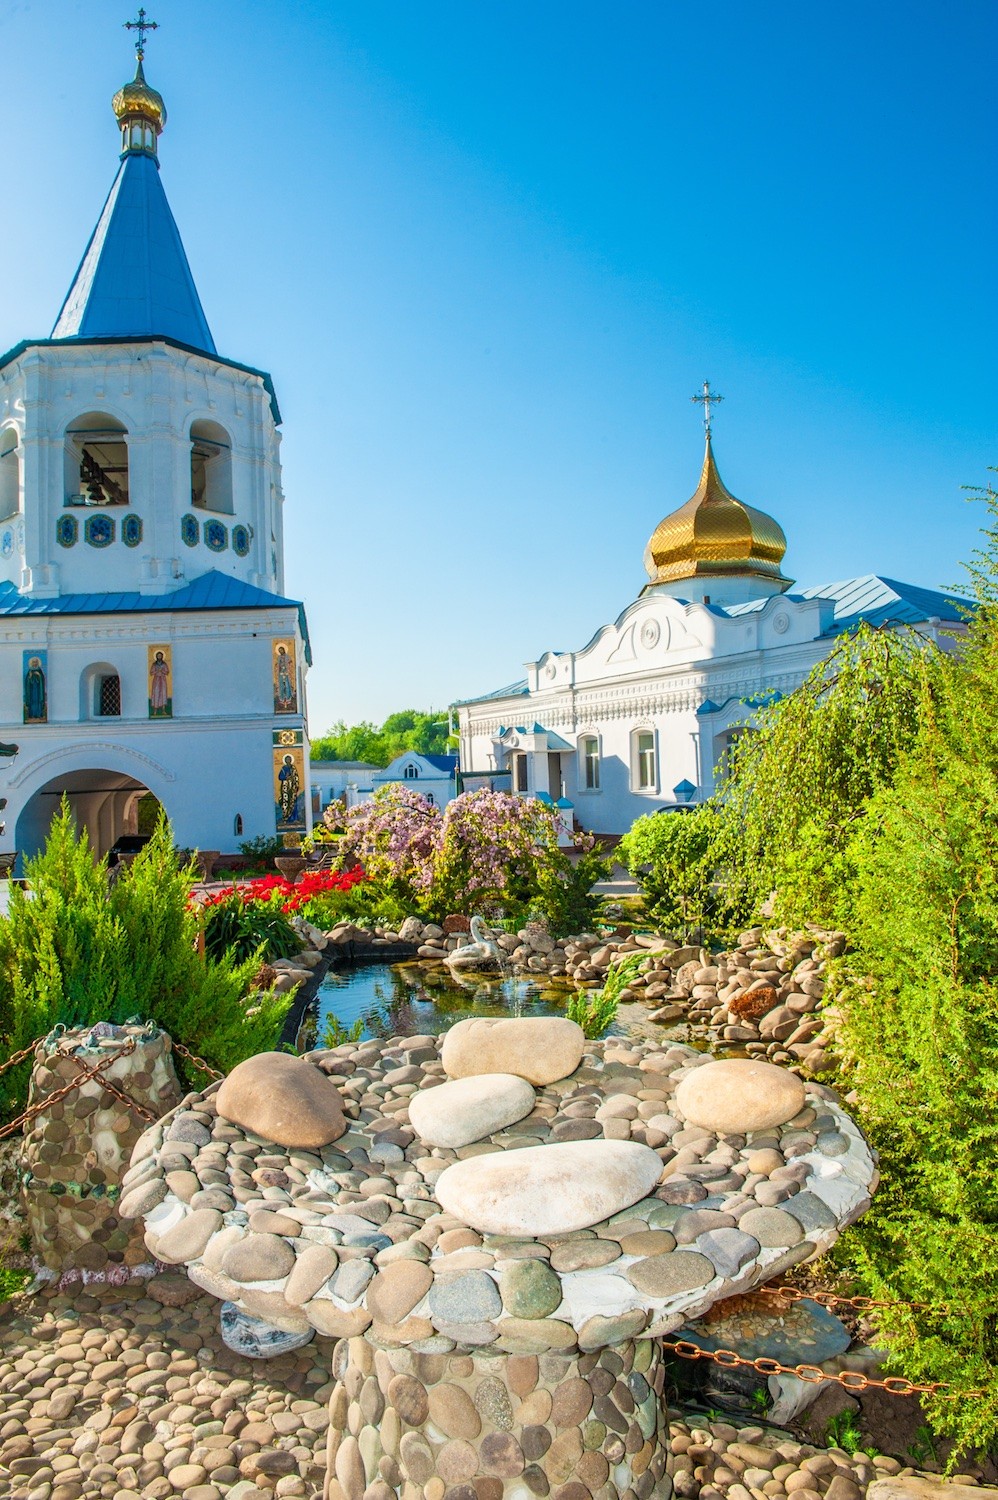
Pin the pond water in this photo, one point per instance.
(410, 999)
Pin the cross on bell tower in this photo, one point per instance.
(706, 398)
(141, 26)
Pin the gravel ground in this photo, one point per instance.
(114, 1392)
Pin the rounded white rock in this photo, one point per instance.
(541, 1049)
(468, 1109)
(735, 1096)
(548, 1189)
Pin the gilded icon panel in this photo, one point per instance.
(289, 780)
(160, 681)
(36, 692)
(285, 677)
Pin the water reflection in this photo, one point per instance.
(409, 999)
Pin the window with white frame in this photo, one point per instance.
(589, 762)
(644, 769)
(518, 765)
(10, 473)
(411, 772)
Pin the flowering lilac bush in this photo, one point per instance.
(486, 849)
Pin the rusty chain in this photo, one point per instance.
(830, 1300)
(195, 1061)
(84, 1076)
(851, 1380)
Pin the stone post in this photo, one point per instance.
(77, 1150)
(491, 1426)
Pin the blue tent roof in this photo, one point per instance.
(870, 598)
(134, 277)
(213, 590)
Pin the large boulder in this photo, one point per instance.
(284, 1099)
(468, 1109)
(735, 1095)
(543, 1190)
(540, 1049)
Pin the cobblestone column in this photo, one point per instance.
(76, 1151)
(497, 1426)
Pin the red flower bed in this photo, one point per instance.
(291, 897)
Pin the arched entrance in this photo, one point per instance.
(107, 804)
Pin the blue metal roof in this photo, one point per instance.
(514, 690)
(870, 599)
(134, 277)
(447, 763)
(213, 590)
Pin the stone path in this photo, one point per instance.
(109, 1392)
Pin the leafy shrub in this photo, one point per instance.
(241, 929)
(73, 952)
(262, 851)
(675, 858)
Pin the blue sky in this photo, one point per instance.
(488, 251)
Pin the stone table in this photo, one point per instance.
(498, 1341)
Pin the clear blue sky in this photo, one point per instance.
(488, 250)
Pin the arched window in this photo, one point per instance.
(96, 461)
(411, 772)
(100, 692)
(211, 468)
(644, 761)
(589, 763)
(10, 473)
(237, 825)
(518, 766)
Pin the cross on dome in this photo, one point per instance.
(706, 398)
(141, 26)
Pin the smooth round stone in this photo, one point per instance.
(284, 1099)
(584, 1255)
(541, 1049)
(396, 1290)
(311, 1270)
(735, 1095)
(772, 1227)
(469, 1298)
(469, 1109)
(668, 1275)
(453, 1411)
(544, 1190)
(258, 1257)
(648, 1242)
(186, 1240)
(727, 1249)
(530, 1289)
(254, 1338)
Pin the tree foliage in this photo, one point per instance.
(409, 729)
(74, 953)
(676, 856)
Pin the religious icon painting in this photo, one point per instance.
(131, 531)
(160, 682)
(240, 540)
(98, 531)
(285, 678)
(67, 531)
(190, 531)
(289, 781)
(36, 696)
(215, 536)
(7, 542)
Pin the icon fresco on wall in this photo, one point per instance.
(98, 531)
(36, 698)
(215, 535)
(285, 678)
(7, 542)
(289, 780)
(67, 530)
(240, 540)
(190, 531)
(131, 530)
(161, 682)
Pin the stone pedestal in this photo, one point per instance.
(77, 1150)
(491, 1426)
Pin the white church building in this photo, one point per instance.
(641, 717)
(145, 639)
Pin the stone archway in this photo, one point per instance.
(103, 802)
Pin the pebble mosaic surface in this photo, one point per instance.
(350, 1238)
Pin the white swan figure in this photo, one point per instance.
(481, 953)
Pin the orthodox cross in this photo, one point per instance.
(706, 398)
(141, 26)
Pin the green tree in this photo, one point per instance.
(675, 858)
(74, 953)
(408, 729)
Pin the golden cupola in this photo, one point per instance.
(140, 112)
(716, 537)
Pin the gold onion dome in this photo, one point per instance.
(715, 535)
(137, 98)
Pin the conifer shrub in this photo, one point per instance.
(73, 952)
(675, 857)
